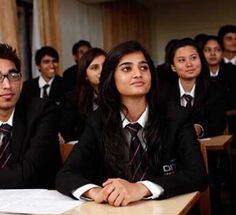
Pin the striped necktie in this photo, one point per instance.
(138, 158)
(5, 144)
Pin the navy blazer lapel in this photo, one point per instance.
(176, 93)
(18, 133)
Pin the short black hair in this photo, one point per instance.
(80, 43)
(9, 53)
(45, 50)
(224, 30)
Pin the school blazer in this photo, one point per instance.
(35, 156)
(208, 109)
(178, 167)
(57, 91)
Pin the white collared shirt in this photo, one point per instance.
(42, 82)
(155, 189)
(233, 60)
(183, 102)
(215, 74)
(141, 121)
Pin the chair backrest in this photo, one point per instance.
(65, 149)
(204, 200)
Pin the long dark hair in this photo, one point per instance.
(110, 103)
(85, 91)
(202, 81)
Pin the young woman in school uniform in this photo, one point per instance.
(103, 166)
(207, 108)
(187, 64)
(82, 100)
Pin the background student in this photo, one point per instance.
(84, 98)
(48, 84)
(205, 101)
(70, 74)
(192, 89)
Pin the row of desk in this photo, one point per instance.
(178, 205)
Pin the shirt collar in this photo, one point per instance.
(233, 60)
(142, 119)
(215, 74)
(10, 120)
(182, 92)
(42, 82)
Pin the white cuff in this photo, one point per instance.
(81, 190)
(155, 189)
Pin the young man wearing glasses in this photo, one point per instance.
(29, 153)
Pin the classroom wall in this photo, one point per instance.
(78, 21)
(187, 18)
(169, 19)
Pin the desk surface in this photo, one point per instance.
(176, 205)
(217, 142)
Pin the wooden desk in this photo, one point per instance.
(218, 142)
(178, 205)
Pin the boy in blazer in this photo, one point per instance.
(48, 84)
(30, 157)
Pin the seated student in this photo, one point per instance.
(70, 74)
(192, 88)
(48, 84)
(82, 100)
(204, 100)
(227, 37)
(213, 53)
(104, 167)
(29, 153)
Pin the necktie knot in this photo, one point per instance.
(188, 99)
(133, 128)
(5, 129)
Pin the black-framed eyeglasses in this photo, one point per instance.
(12, 76)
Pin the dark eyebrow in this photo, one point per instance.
(13, 71)
(125, 63)
(143, 62)
(129, 63)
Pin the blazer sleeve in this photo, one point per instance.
(189, 172)
(83, 164)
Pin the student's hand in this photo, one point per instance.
(123, 192)
(97, 194)
(198, 130)
(61, 139)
